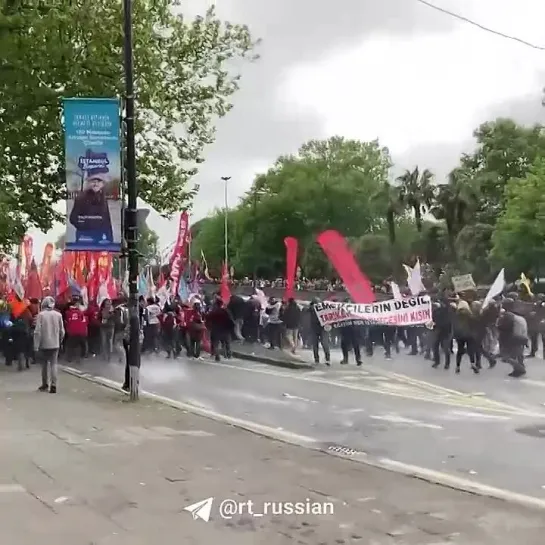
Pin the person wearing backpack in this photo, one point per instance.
(19, 338)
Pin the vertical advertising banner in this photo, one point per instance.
(93, 174)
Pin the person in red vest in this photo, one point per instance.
(93, 332)
(76, 327)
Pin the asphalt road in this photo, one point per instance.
(486, 428)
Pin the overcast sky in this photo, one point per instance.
(418, 80)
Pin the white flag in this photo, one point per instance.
(396, 293)
(495, 289)
(414, 279)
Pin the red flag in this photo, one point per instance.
(225, 292)
(178, 254)
(45, 267)
(33, 283)
(291, 266)
(92, 275)
(28, 245)
(80, 266)
(341, 257)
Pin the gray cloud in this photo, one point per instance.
(294, 32)
(442, 158)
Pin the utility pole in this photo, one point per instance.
(226, 240)
(131, 215)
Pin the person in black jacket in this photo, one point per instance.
(318, 336)
(442, 331)
(220, 323)
(292, 321)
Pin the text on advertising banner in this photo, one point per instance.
(407, 312)
(93, 174)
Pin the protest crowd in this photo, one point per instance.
(61, 312)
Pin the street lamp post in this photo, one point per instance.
(131, 214)
(226, 239)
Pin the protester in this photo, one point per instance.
(48, 337)
(291, 317)
(221, 325)
(318, 336)
(152, 326)
(107, 329)
(195, 331)
(76, 331)
(274, 325)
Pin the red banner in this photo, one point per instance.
(341, 257)
(45, 267)
(178, 254)
(28, 246)
(33, 283)
(104, 266)
(80, 268)
(291, 266)
(92, 275)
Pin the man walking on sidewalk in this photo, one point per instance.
(48, 337)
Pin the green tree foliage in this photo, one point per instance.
(417, 192)
(518, 240)
(184, 80)
(326, 185)
(505, 150)
(484, 216)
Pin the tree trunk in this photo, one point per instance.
(451, 236)
(418, 218)
(390, 218)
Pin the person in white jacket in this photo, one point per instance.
(48, 337)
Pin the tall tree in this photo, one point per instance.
(417, 191)
(453, 203)
(520, 229)
(326, 185)
(505, 150)
(388, 198)
(184, 79)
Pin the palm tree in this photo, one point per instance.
(388, 196)
(416, 191)
(453, 203)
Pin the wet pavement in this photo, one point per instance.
(485, 428)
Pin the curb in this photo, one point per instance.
(445, 480)
(272, 361)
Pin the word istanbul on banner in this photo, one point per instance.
(407, 312)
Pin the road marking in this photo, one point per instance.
(532, 382)
(396, 419)
(11, 488)
(436, 388)
(459, 399)
(289, 396)
(480, 416)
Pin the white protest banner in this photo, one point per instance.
(463, 282)
(407, 312)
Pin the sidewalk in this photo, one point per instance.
(86, 467)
